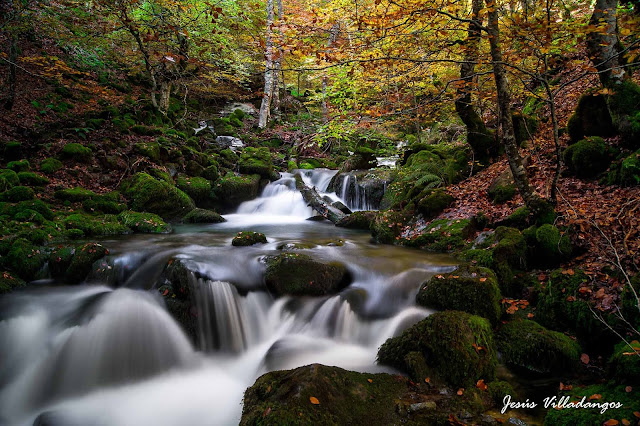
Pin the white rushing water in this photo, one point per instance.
(98, 355)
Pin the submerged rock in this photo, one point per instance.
(299, 275)
(358, 220)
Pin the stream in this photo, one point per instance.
(107, 352)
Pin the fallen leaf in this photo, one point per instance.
(481, 385)
(314, 400)
(530, 315)
(626, 422)
(611, 422)
(483, 279)
(370, 380)
(595, 396)
(628, 389)
(460, 391)
(637, 414)
(584, 358)
(427, 380)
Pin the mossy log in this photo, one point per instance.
(312, 197)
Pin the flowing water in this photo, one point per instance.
(108, 353)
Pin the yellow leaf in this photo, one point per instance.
(314, 400)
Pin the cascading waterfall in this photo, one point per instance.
(94, 355)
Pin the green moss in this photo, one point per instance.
(19, 166)
(457, 346)
(470, 289)
(32, 179)
(28, 215)
(587, 158)
(25, 259)
(358, 220)
(8, 179)
(552, 247)
(211, 173)
(151, 195)
(386, 226)
(479, 257)
(239, 114)
(59, 260)
(231, 190)
(542, 210)
(291, 165)
(299, 275)
(8, 282)
(434, 203)
(95, 123)
(12, 150)
(442, 235)
(609, 394)
(17, 193)
(498, 389)
(509, 253)
(624, 364)
(527, 345)
(74, 194)
(624, 106)
(198, 188)
(148, 149)
(248, 238)
(501, 193)
(74, 233)
(76, 152)
(82, 261)
(202, 216)
(104, 204)
(519, 219)
(95, 225)
(33, 205)
(256, 161)
(591, 118)
(145, 130)
(524, 126)
(144, 222)
(228, 158)
(223, 127)
(50, 165)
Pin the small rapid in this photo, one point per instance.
(109, 352)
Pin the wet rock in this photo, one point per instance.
(25, 259)
(257, 161)
(229, 142)
(295, 246)
(8, 282)
(340, 206)
(202, 216)
(248, 238)
(148, 194)
(231, 190)
(82, 261)
(358, 220)
(419, 406)
(60, 260)
(299, 275)
(316, 218)
(362, 190)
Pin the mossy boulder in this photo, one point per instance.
(202, 216)
(624, 364)
(60, 260)
(498, 389)
(106, 203)
(256, 161)
(358, 220)
(19, 165)
(231, 190)
(76, 151)
(25, 259)
(198, 188)
(442, 235)
(95, 225)
(50, 165)
(148, 223)
(148, 149)
(8, 179)
(457, 347)
(28, 215)
(469, 288)
(509, 255)
(386, 226)
(83, 259)
(524, 126)
(591, 118)
(74, 194)
(248, 238)
(624, 107)
(8, 282)
(12, 150)
(17, 193)
(32, 179)
(299, 275)
(211, 173)
(155, 196)
(552, 246)
(587, 158)
(38, 206)
(434, 203)
(626, 172)
(528, 346)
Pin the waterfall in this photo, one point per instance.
(356, 195)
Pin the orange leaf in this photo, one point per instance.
(481, 385)
(628, 389)
(637, 414)
(595, 396)
(460, 391)
(626, 422)
(529, 315)
(584, 358)
(611, 422)
(370, 380)
(314, 400)
(427, 380)
(483, 279)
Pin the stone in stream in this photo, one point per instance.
(340, 206)
(248, 238)
(82, 261)
(358, 220)
(203, 216)
(299, 275)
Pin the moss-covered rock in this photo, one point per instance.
(527, 345)
(624, 364)
(591, 118)
(211, 173)
(32, 179)
(498, 389)
(458, 348)
(144, 222)
(202, 216)
(59, 260)
(231, 190)
(8, 179)
(151, 195)
(106, 203)
(509, 254)
(17, 193)
(25, 259)
(469, 288)
(74, 194)
(624, 107)
(587, 158)
(256, 161)
(248, 238)
(524, 127)
(50, 165)
(442, 235)
(19, 165)
(434, 203)
(32, 205)
(8, 282)
(83, 259)
(148, 149)
(76, 151)
(358, 220)
(198, 188)
(299, 275)
(519, 219)
(96, 225)
(552, 247)
(386, 226)
(12, 150)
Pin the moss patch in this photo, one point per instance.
(151, 195)
(587, 158)
(202, 216)
(442, 235)
(231, 190)
(248, 238)
(95, 224)
(17, 193)
(434, 203)
(25, 259)
(148, 223)
(76, 152)
(74, 194)
(83, 260)
(256, 161)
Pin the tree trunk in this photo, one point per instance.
(165, 97)
(314, 200)
(504, 106)
(604, 48)
(333, 36)
(480, 139)
(13, 58)
(278, 78)
(265, 107)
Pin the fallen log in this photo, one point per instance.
(314, 200)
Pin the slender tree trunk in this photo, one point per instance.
(479, 137)
(269, 73)
(13, 58)
(278, 78)
(504, 106)
(165, 97)
(604, 48)
(333, 36)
